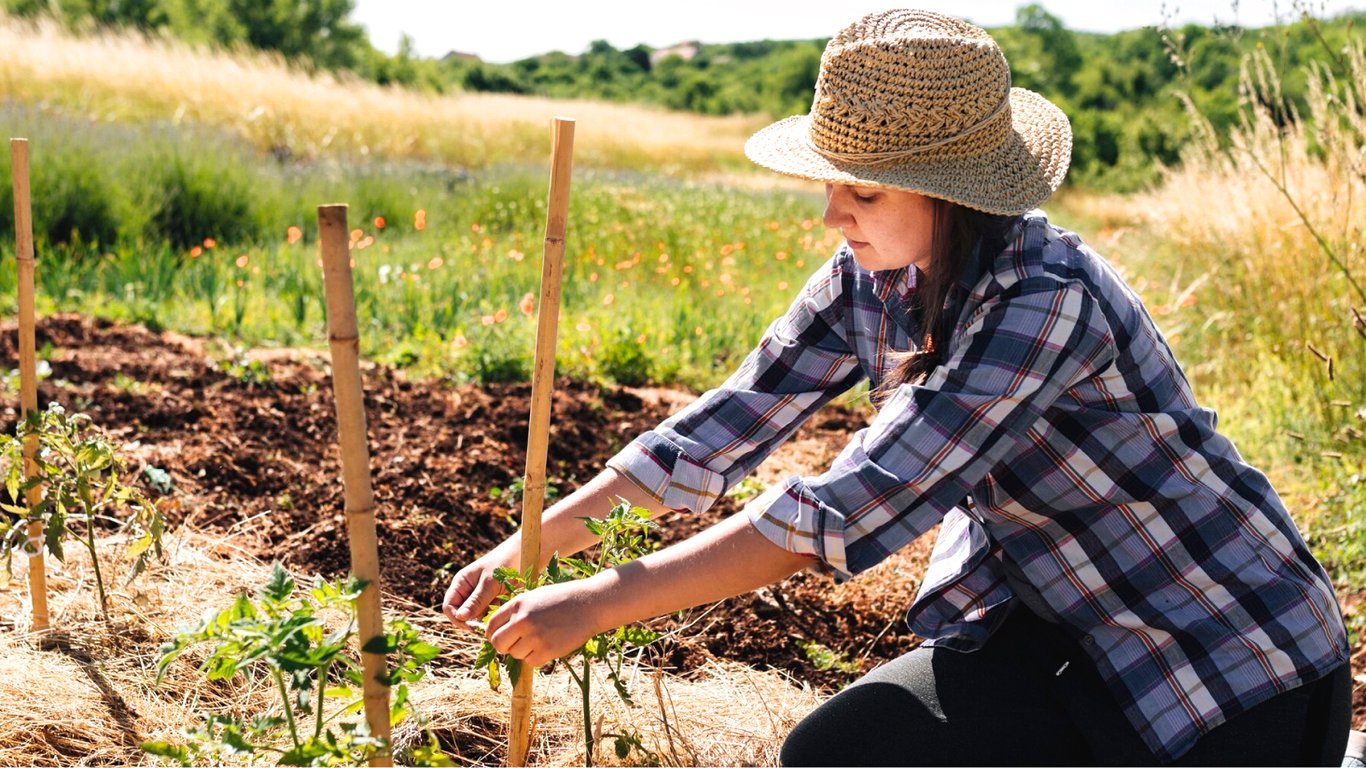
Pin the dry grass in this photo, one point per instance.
(85, 695)
(120, 76)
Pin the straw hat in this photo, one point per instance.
(919, 101)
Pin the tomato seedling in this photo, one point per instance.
(79, 474)
(624, 535)
(285, 636)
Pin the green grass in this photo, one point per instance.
(192, 232)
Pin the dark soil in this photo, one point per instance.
(261, 451)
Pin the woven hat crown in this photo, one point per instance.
(902, 83)
(918, 101)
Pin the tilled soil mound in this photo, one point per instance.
(251, 442)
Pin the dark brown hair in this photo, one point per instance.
(953, 251)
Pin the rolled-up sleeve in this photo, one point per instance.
(932, 443)
(802, 361)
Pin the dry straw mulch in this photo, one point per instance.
(84, 694)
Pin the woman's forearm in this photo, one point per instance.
(563, 531)
(727, 559)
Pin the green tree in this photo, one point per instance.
(315, 30)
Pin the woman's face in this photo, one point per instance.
(886, 228)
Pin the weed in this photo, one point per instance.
(159, 479)
(746, 489)
(251, 373)
(824, 658)
(511, 494)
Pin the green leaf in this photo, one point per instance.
(495, 677)
(381, 644)
(638, 636)
(279, 585)
(167, 750)
(431, 754)
(486, 654)
(514, 668)
(421, 652)
(233, 739)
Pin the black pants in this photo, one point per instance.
(1005, 705)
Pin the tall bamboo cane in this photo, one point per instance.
(542, 386)
(28, 371)
(355, 459)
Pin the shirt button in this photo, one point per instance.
(1088, 641)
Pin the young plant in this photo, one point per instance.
(624, 535)
(284, 636)
(80, 475)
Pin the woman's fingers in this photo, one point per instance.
(541, 625)
(470, 593)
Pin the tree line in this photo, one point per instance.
(1123, 91)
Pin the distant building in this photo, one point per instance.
(685, 51)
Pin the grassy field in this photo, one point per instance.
(192, 178)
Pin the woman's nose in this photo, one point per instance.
(836, 212)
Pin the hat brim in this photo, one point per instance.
(1014, 177)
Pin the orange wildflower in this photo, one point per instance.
(435, 263)
(210, 243)
(379, 222)
(294, 235)
(460, 342)
(356, 234)
(195, 251)
(420, 220)
(608, 299)
(527, 304)
(242, 261)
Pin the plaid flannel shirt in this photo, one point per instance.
(1059, 432)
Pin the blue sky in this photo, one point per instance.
(506, 30)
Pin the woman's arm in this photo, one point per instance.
(726, 559)
(473, 588)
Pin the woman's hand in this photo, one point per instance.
(474, 588)
(562, 530)
(548, 622)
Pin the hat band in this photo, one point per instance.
(874, 158)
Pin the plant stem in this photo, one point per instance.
(584, 684)
(289, 711)
(322, 688)
(95, 562)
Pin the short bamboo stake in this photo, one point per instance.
(355, 458)
(28, 372)
(542, 387)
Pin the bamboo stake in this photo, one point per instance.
(355, 459)
(28, 372)
(542, 387)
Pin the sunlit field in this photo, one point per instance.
(177, 187)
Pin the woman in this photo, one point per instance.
(1111, 582)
